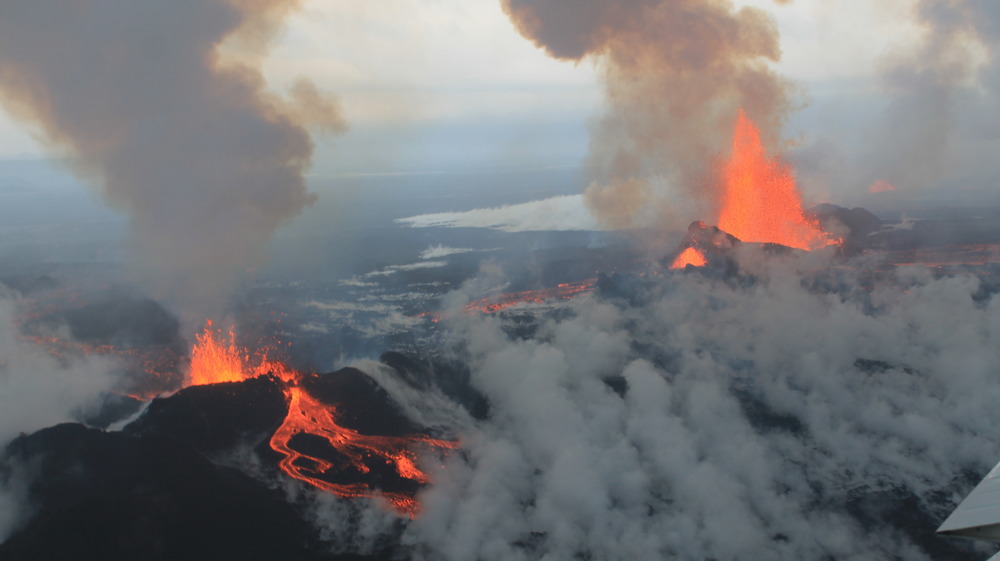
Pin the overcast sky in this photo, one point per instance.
(443, 85)
(445, 62)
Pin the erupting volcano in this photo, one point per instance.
(690, 256)
(760, 202)
(332, 457)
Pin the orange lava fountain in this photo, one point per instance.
(690, 256)
(215, 361)
(761, 202)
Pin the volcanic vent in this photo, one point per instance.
(760, 203)
(339, 433)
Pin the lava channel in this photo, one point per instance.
(344, 455)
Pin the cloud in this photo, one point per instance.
(38, 390)
(567, 212)
(439, 251)
(393, 269)
(756, 420)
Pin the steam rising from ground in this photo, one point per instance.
(749, 420)
(38, 390)
(164, 106)
(675, 74)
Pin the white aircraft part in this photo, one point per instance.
(978, 516)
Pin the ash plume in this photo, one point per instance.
(675, 74)
(163, 106)
(941, 122)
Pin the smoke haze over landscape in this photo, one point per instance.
(444, 314)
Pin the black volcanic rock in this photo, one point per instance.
(415, 372)
(124, 321)
(452, 378)
(714, 243)
(114, 496)
(854, 225)
(216, 417)
(157, 489)
(112, 409)
(361, 403)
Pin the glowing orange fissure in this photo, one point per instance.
(214, 360)
(565, 291)
(690, 256)
(760, 202)
(492, 305)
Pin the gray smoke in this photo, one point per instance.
(38, 390)
(164, 107)
(941, 124)
(755, 420)
(675, 74)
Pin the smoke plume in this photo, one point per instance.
(163, 105)
(941, 122)
(675, 74)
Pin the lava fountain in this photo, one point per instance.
(690, 256)
(761, 202)
(217, 359)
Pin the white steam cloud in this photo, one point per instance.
(751, 418)
(38, 390)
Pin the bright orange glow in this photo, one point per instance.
(689, 256)
(217, 359)
(761, 202)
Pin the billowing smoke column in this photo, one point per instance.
(676, 73)
(941, 121)
(141, 96)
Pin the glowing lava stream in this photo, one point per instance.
(308, 415)
(761, 202)
(565, 291)
(215, 361)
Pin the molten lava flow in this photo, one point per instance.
(357, 451)
(215, 360)
(565, 291)
(690, 256)
(761, 202)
